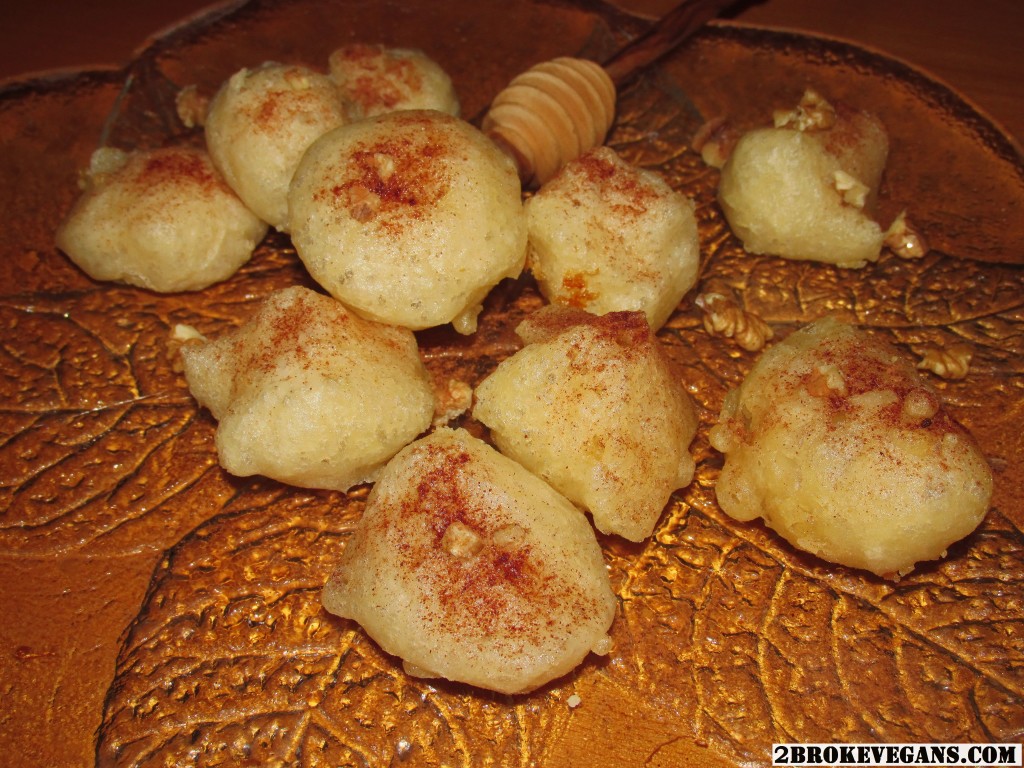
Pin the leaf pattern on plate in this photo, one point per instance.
(783, 648)
(779, 646)
(109, 450)
(233, 660)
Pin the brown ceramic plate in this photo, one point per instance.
(160, 612)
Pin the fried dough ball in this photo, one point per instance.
(591, 405)
(835, 440)
(468, 567)
(607, 236)
(259, 125)
(374, 79)
(162, 219)
(310, 394)
(805, 188)
(409, 218)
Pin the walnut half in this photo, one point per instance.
(723, 316)
(904, 240)
(813, 113)
(952, 362)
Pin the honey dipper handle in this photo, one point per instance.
(668, 32)
(559, 109)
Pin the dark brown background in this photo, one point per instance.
(973, 46)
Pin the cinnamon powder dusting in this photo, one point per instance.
(393, 182)
(848, 132)
(575, 292)
(629, 329)
(280, 109)
(439, 491)
(499, 588)
(626, 192)
(178, 166)
(288, 333)
(914, 406)
(387, 78)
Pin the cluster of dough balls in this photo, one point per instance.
(468, 564)
(298, 392)
(607, 236)
(162, 219)
(839, 445)
(804, 188)
(470, 568)
(262, 120)
(477, 565)
(179, 219)
(591, 405)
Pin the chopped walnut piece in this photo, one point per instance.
(853, 191)
(724, 316)
(363, 203)
(180, 336)
(826, 380)
(384, 164)
(191, 106)
(104, 162)
(461, 541)
(452, 399)
(813, 113)
(952, 362)
(715, 140)
(185, 333)
(904, 240)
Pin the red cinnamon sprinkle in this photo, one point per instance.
(627, 193)
(175, 166)
(387, 78)
(499, 590)
(394, 181)
(575, 292)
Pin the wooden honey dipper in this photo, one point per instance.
(559, 109)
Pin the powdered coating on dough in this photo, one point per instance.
(374, 79)
(310, 394)
(409, 218)
(591, 405)
(470, 568)
(161, 219)
(607, 236)
(259, 125)
(842, 448)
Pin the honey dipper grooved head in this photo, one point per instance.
(551, 114)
